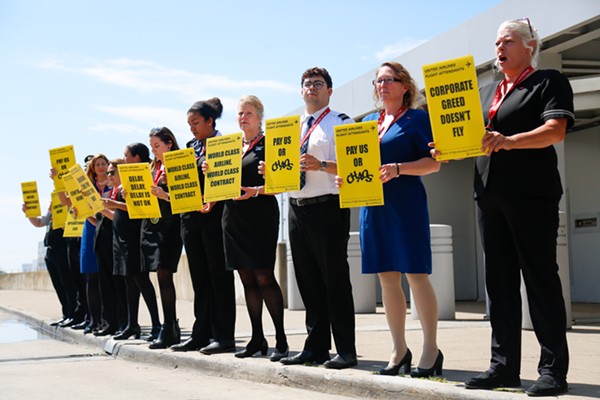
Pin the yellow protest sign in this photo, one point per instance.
(78, 200)
(454, 108)
(86, 188)
(137, 183)
(358, 162)
(282, 154)
(61, 159)
(59, 212)
(73, 226)
(182, 179)
(224, 175)
(31, 199)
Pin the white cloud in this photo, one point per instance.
(147, 77)
(392, 51)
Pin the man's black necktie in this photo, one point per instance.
(304, 148)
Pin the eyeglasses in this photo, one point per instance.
(111, 173)
(528, 24)
(316, 84)
(387, 81)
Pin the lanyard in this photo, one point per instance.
(159, 174)
(382, 115)
(313, 126)
(114, 192)
(500, 94)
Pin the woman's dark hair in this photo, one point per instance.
(141, 150)
(166, 136)
(211, 108)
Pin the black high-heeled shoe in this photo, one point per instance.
(109, 330)
(251, 349)
(395, 369)
(169, 335)
(154, 332)
(128, 332)
(429, 372)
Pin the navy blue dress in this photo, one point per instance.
(395, 236)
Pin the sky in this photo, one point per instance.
(99, 75)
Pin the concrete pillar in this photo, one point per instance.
(442, 272)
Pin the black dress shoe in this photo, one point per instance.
(253, 348)
(153, 333)
(341, 361)
(492, 380)
(305, 357)
(66, 323)
(57, 323)
(90, 329)
(170, 334)
(548, 385)
(429, 372)
(277, 355)
(189, 345)
(80, 325)
(128, 332)
(109, 330)
(221, 346)
(395, 369)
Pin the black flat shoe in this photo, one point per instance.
(341, 361)
(395, 369)
(251, 349)
(222, 346)
(66, 323)
(189, 345)
(278, 355)
(491, 380)
(305, 357)
(128, 332)
(429, 372)
(548, 385)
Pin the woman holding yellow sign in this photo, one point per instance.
(250, 229)
(161, 239)
(395, 237)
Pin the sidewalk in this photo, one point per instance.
(464, 342)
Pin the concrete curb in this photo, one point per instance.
(351, 382)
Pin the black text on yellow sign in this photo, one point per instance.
(282, 154)
(183, 182)
(61, 159)
(454, 108)
(224, 174)
(31, 199)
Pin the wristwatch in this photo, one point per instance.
(323, 165)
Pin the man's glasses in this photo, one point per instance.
(316, 84)
(528, 24)
(386, 81)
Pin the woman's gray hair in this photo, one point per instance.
(524, 30)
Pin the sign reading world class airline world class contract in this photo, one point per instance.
(183, 182)
(454, 108)
(224, 174)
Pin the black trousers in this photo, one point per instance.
(73, 251)
(319, 235)
(57, 264)
(214, 291)
(519, 236)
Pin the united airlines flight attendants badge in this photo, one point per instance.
(358, 162)
(454, 108)
(136, 180)
(183, 182)
(282, 154)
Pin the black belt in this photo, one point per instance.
(312, 200)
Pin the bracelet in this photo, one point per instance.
(397, 170)
(257, 191)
